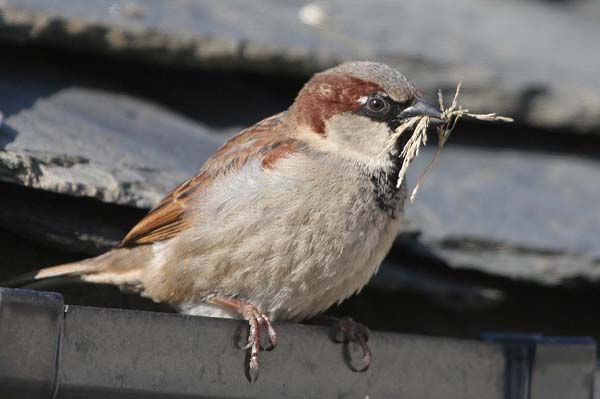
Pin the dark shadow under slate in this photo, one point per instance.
(126, 354)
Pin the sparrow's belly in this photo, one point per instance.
(332, 273)
(294, 281)
(293, 249)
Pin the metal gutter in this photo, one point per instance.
(132, 354)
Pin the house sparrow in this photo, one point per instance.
(286, 219)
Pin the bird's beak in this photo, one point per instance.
(421, 107)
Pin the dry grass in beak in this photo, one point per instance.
(419, 136)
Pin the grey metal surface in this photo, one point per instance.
(541, 367)
(597, 384)
(116, 353)
(50, 350)
(506, 65)
(563, 370)
(30, 323)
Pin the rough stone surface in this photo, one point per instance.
(89, 142)
(487, 192)
(118, 132)
(511, 212)
(552, 83)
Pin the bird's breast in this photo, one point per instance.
(294, 239)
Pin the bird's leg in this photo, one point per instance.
(345, 330)
(256, 319)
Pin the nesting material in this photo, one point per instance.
(419, 126)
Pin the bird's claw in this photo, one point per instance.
(346, 330)
(257, 320)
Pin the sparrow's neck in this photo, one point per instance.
(382, 171)
(388, 196)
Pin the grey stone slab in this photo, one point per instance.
(507, 195)
(511, 212)
(259, 35)
(87, 141)
(533, 60)
(521, 263)
(119, 132)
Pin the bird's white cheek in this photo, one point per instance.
(355, 134)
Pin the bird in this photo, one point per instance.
(288, 218)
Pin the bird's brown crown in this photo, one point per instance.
(342, 88)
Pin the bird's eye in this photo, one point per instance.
(376, 104)
(378, 107)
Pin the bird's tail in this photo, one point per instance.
(68, 272)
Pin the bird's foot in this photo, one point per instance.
(256, 321)
(345, 330)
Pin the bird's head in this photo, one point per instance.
(355, 108)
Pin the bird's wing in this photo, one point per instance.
(268, 140)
